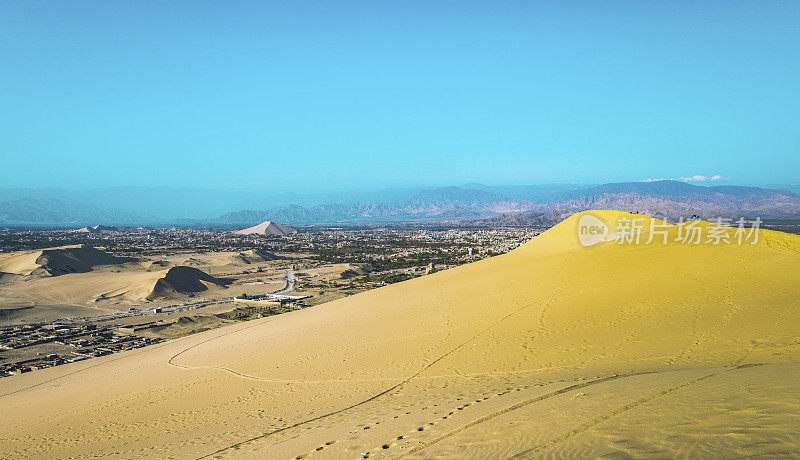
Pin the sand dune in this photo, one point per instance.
(175, 282)
(9, 278)
(183, 280)
(58, 261)
(253, 256)
(555, 349)
(126, 286)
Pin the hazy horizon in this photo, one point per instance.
(364, 188)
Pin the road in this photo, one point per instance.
(289, 282)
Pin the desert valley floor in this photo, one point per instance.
(553, 350)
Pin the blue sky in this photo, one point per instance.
(354, 95)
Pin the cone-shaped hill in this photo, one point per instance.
(182, 280)
(267, 228)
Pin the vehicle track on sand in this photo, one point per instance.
(130, 353)
(362, 402)
(465, 403)
(376, 396)
(519, 405)
(608, 415)
(298, 381)
(581, 428)
(127, 354)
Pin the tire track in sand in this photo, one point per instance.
(584, 427)
(519, 405)
(371, 398)
(608, 415)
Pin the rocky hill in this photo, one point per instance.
(671, 200)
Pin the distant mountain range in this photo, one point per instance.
(445, 203)
(59, 212)
(500, 205)
(671, 200)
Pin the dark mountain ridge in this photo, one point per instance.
(671, 200)
(133, 206)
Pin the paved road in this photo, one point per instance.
(289, 282)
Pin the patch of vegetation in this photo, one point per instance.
(251, 312)
(387, 278)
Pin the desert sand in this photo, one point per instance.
(58, 261)
(109, 285)
(71, 281)
(554, 350)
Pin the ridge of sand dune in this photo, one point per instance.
(555, 349)
(174, 282)
(83, 281)
(9, 278)
(59, 261)
(183, 280)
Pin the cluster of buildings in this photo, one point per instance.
(125, 241)
(406, 246)
(148, 241)
(63, 343)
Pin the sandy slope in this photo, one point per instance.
(110, 285)
(58, 261)
(552, 350)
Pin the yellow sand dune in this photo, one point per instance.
(555, 349)
(174, 282)
(132, 285)
(58, 261)
(178, 281)
(22, 263)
